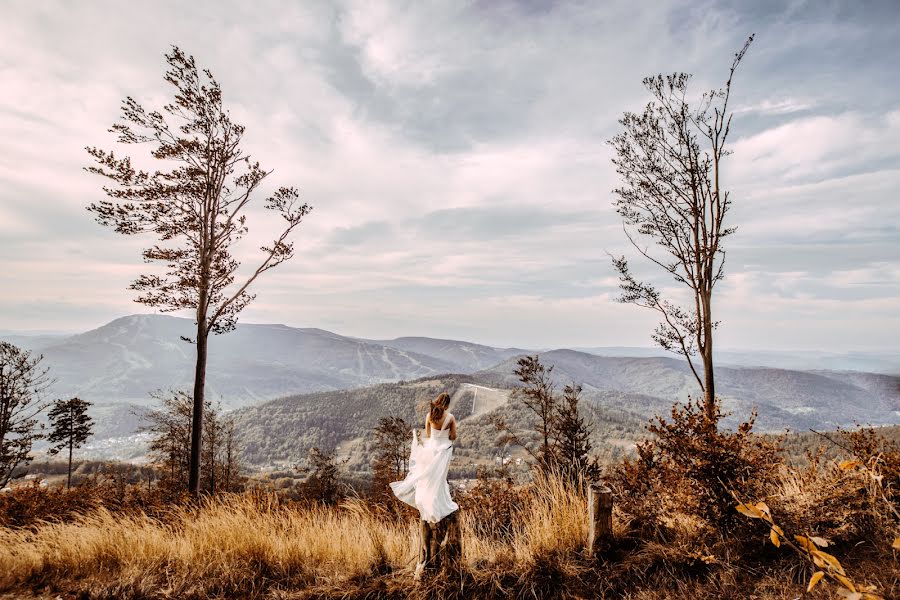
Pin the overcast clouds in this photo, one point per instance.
(456, 157)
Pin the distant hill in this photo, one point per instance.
(797, 360)
(783, 398)
(126, 359)
(281, 432)
(117, 365)
(465, 356)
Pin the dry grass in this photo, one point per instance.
(253, 546)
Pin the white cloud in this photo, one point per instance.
(455, 156)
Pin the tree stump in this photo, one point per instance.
(440, 544)
(600, 504)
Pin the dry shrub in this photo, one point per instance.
(690, 467)
(493, 506)
(26, 505)
(853, 500)
(518, 540)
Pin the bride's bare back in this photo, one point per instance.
(440, 425)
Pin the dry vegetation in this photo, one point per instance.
(519, 541)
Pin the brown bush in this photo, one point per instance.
(691, 467)
(28, 505)
(494, 505)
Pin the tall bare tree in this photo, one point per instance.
(22, 383)
(670, 161)
(71, 426)
(196, 209)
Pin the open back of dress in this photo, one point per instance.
(425, 486)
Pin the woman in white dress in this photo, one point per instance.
(425, 486)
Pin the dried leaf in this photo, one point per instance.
(764, 508)
(805, 543)
(832, 562)
(846, 465)
(844, 581)
(820, 542)
(896, 544)
(773, 535)
(817, 576)
(749, 511)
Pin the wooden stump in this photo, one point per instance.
(600, 504)
(440, 545)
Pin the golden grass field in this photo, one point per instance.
(518, 541)
(243, 544)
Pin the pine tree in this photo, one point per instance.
(71, 426)
(572, 448)
(323, 483)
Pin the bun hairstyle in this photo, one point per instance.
(438, 406)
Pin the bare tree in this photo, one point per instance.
(170, 434)
(537, 395)
(22, 384)
(212, 440)
(324, 481)
(670, 161)
(196, 209)
(71, 426)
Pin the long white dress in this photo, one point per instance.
(425, 486)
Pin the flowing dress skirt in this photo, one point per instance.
(425, 486)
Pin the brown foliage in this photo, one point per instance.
(30, 505)
(690, 465)
(494, 505)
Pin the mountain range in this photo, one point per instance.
(119, 364)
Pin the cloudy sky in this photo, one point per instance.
(456, 157)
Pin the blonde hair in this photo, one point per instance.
(438, 406)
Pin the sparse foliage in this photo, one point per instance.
(391, 438)
(572, 448)
(22, 383)
(563, 434)
(669, 158)
(323, 483)
(810, 547)
(197, 209)
(170, 443)
(71, 426)
(694, 467)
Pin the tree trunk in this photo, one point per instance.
(709, 384)
(197, 416)
(69, 480)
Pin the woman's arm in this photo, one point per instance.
(452, 435)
